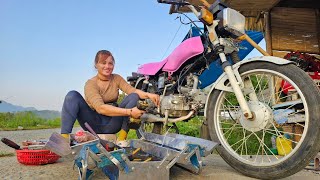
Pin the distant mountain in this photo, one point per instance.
(7, 107)
(45, 114)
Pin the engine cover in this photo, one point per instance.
(176, 105)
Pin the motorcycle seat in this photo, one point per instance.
(186, 50)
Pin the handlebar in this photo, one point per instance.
(174, 2)
(184, 2)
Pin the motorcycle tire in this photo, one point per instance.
(227, 126)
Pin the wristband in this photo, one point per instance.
(130, 112)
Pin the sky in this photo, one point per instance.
(47, 48)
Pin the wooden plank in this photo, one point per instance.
(300, 3)
(294, 30)
(280, 54)
(245, 6)
(251, 24)
(317, 11)
(268, 36)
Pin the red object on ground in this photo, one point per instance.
(36, 157)
(286, 86)
(109, 147)
(314, 75)
(83, 136)
(80, 133)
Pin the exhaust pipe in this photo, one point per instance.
(153, 118)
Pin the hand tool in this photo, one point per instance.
(108, 145)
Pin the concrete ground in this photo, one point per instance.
(215, 167)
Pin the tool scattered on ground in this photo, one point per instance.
(58, 144)
(10, 143)
(15, 146)
(135, 151)
(107, 144)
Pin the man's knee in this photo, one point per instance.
(133, 97)
(72, 95)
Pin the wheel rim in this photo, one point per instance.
(237, 137)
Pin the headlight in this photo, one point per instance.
(233, 22)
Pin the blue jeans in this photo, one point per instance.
(75, 108)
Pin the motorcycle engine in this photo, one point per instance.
(188, 98)
(176, 105)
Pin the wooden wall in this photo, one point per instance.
(295, 29)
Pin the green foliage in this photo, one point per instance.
(27, 120)
(132, 134)
(231, 100)
(190, 128)
(235, 138)
(121, 97)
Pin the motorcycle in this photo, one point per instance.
(263, 111)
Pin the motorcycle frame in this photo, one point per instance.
(230, 73)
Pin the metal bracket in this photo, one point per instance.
(163, 160)
(84, 163)
(94, 156)
(174, 160)
(188, 164)
(109, 156)
(127, 161)
(191, 154)
(141, 131)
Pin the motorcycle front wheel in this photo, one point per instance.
(283, 135)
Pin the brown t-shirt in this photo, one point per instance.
(98, 92)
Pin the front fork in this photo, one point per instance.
(235, 84)
(227, 68)
(236, 87)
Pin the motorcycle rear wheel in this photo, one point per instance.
(247, 145)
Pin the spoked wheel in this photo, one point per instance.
(283, 136)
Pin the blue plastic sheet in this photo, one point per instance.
(210, 75)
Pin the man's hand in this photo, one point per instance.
(155, 98)
(136, 113)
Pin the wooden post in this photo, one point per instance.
(268, 37)
(275, 83)
(205, 3)
(255, 45)
(318, 27)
